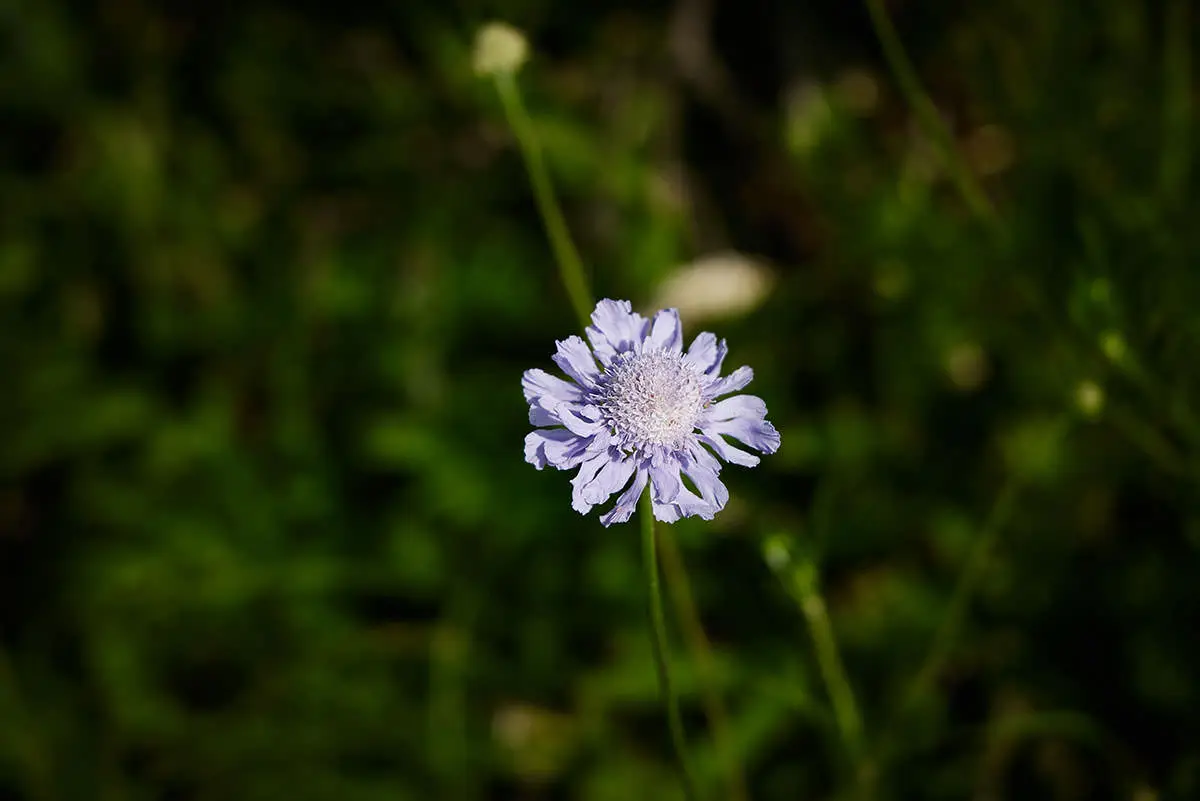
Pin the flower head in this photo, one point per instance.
(500, 49)
(639, 410)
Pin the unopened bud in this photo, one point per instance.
(775, 551)
(1089, 397)
(500, 49)
(1113, 345)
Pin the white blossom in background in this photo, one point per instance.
(499, 49)
(719, 285)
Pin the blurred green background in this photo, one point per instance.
(270, 273)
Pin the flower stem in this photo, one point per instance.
(693, 631)
(927, 114)
(829, 660)
(34, 764)
(972, 572)
(570, 265)
(658, 640)
(449, 657)
(1177, 111)
(576, 284)
(947, 631)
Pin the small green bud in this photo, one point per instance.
(776, 553)
(1089, 397)
(1113, 345)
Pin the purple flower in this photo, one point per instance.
(644, 414)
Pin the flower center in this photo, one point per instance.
(651, 398)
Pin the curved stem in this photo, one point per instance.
(570, 265)
(833, 670)
(680, 590)
(973, 571)
(659, 641)
(449, 657)
(1173, 165)
(36, 773)
(948, 629)
(927, 114)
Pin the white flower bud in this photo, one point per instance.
(722, 284)
(499, 49)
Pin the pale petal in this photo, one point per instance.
(587, 472)
(704, 474)
(736, 380)
(750, 407)
(539, 416)
(581, 420)
(616, 328)
(612, 477)
(707, 353)
(538, 383)
(758, 434)
(666, 333)
(627, 500)
(665, 481)
(575, 359)
(666, 512)
(726, 451)
(552, 446)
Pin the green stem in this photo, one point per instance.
(35, 768)
(1177, 110)
(693, 631)
(951, 623)
(575, 282)
(829, 660)
(447, 731)
(659, 642)
(1146, 437)
(968, 580)
(1173, 166)
(570, 265)
(927, 114)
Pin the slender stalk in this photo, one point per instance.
(829, 660)
(576, 285)
(968, 580)
(1177, 110)
(36, 773)
(1174, 165)
(447, 735)
(680, 590)
(927, 114)
(570, 265)
(659, 642)
(1146, 437)
(948, 629)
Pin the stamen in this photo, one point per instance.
(651, 398)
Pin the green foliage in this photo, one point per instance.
(269, 276)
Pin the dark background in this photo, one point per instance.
(269, 276)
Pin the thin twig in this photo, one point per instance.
(806, 588)
(927, 114)
(658, 640)
(35, 768)
(693, 631)
(1177, 108)
(968, 580)
(570, 265)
